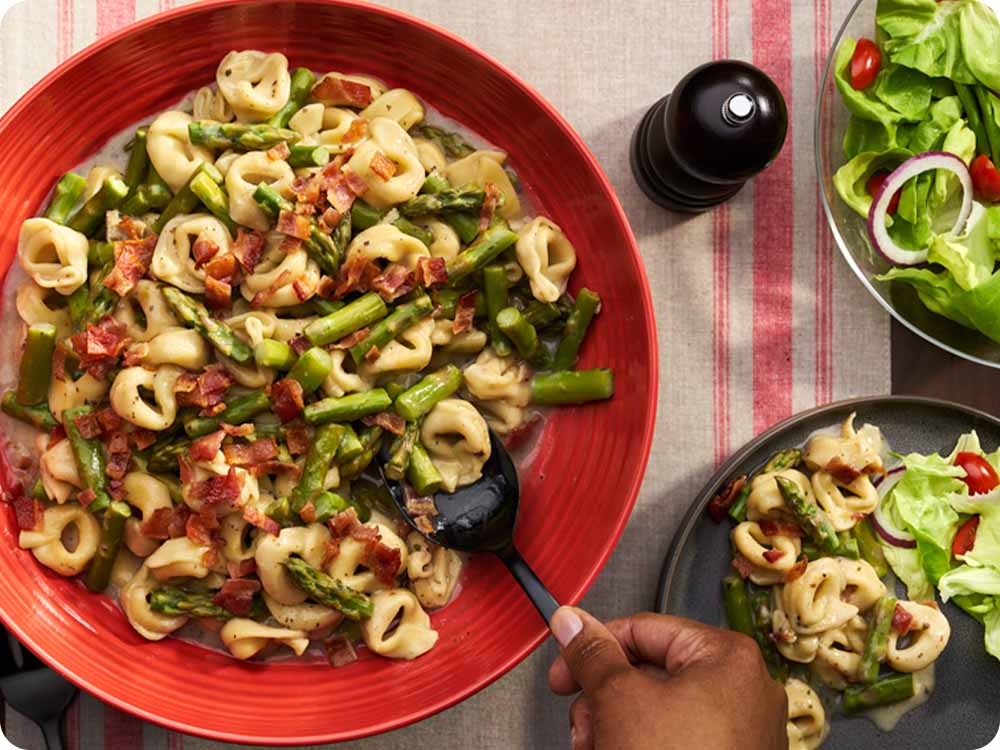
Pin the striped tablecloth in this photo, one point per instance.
(758, 317)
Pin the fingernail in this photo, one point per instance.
(565, 625)
(572, 736)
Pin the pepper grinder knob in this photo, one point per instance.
(723, 123)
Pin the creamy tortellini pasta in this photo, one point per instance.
(208, 361)
(807, 725)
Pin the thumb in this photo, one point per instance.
(589, 649)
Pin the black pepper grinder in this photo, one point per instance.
(696, 147)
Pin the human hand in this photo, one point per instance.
(716, 695)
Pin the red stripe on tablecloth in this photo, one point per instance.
(824, 241)
(113, 14)
(772, 232)
(175, 741)
(166, 4)
(64, 29)
(721, 356)
(121, 731)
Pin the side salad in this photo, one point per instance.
(923, 145)
(939, 522)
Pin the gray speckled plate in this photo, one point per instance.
(964, 710)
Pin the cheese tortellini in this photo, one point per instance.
(771, 556)
(765, 501)
(387, 139)
(412, 636)
(457, 440)
(57, 467)
(807, 725)
(174, 260)
(66, 394)
(396, 104)
(183, 347)
(178, 558)
(210, 104)
(386, 242)
(278, 275)
(148, 494)
(547, 257)
(128, 401)
(170, 149)
(256, 84)
(246, 638)
(54, 256)
(148, 623)
(436, 584)
(928, 635)
(482, 168)
(47, 542)
(33, 307)
(813, 602)
(308, 542)
(853, 451)
(153, 316)
(410, 351)
(344, 377)
(243, 175)
(501, 385)
(844, 503)
(349, 568)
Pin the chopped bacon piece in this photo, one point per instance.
(199, 526)
(203, 251)
(465, 313)
(132, 259)
(224, 267)
(56, 434)
(205, 390)
(773, 555)
(241, 568)
(357, 130)
(279, 152)
(128, 228)
(330, 218)
(118, 443)
(86, 497)
(116, 488)
(217, 489)
(797, 570)
(300, 344)
(27, 511)
(134, 355)
(88, 426)
(304, 209)
(205, 448)
(211, 411)
(339, 193)
(431, 272)
(304, 288)
(211, 558)
(118, 464)
(109, 420)
(490, 203)
(781, 528)
(719, 505)
(372, 354)
(218, 294)
(387, 420)
(143, 438)
(844, 472)
(340, 650)
(294, 225)
(307, 189)
(743, 566)
(902, 621)
(250, 454)
(308, 512)
(395, 281)
(185, 470)
(99, 347)
(248, 248)
(287, 399)
(276, 467)
(59, 363)
(165, 523)
(332, 550)
(384, 562)
(382, 166)
(338, 91)
(352, 338)
(356, 275)
(236, 595)
(362, 533)
(417, 505)
(238, 430)
(355, 182)
(262, 521)
(342, 523)
(297, 439)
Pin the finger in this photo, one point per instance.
(581, 723)
(561, 679)
(589, 649)
(673, 643)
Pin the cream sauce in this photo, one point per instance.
(887, 717)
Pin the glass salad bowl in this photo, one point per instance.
(849, 229)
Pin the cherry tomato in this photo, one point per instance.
(985, 179)
(865, 64)
(874, 187)
(980, 477)
(965, 537)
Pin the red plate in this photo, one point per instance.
(580, 484)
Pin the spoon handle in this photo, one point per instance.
(544, 602)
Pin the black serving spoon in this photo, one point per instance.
(33, 689)
(480, 517)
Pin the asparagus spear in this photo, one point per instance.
(465, 198)
(408, 227)
(434, 183)
(347, 408)
(810, 516)
(320, 306)
(466, 225)
(576, 387)
(782, 460)
(321, 246)
(447, 300)
(328, 591)
(760, 613)
(146, 198)
(328, 504)
(311, 369)
(891, 689)
(195, 315)
(89, 458)
(112, 531)
(177, 602)
(280, 510)
(586, 306)
(37, 416)
(321, 453)
(185, 200)
(364, 215)
(138, 161)
(371, 441)
(273, 353)
(524, 337)
(737, 605)
(420, 398)
(422, 473)
(308, 156)
(402, 448)
(870, 548)
(390, 327)
(66, 195)
(350, 446)
(88, 219)
(451, 143)
(100, 254)
(239, 135)
(493, 242)
(214, 197)
(373, 496)
(495, 287)
(363, 311)
(877, 640)
(36, 364)
(847, 546)
(238, 411)
(394, 389)
(303, 81)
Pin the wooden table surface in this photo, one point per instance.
(921, 369)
